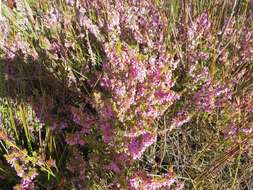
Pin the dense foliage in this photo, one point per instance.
(133, 94)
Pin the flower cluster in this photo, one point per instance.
(135, 87)
(210, 97)
(143, 181)
(138, 79)
(21, 165)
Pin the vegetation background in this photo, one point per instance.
(203, 139)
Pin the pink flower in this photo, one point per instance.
(180, 119)
(139, 144)
(141, 181)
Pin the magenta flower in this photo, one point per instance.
(139, 144)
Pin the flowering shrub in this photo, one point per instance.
(97, 80)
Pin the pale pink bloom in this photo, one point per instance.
(139, 144)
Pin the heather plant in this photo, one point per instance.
(126, 94)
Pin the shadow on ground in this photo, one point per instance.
(23, 79)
